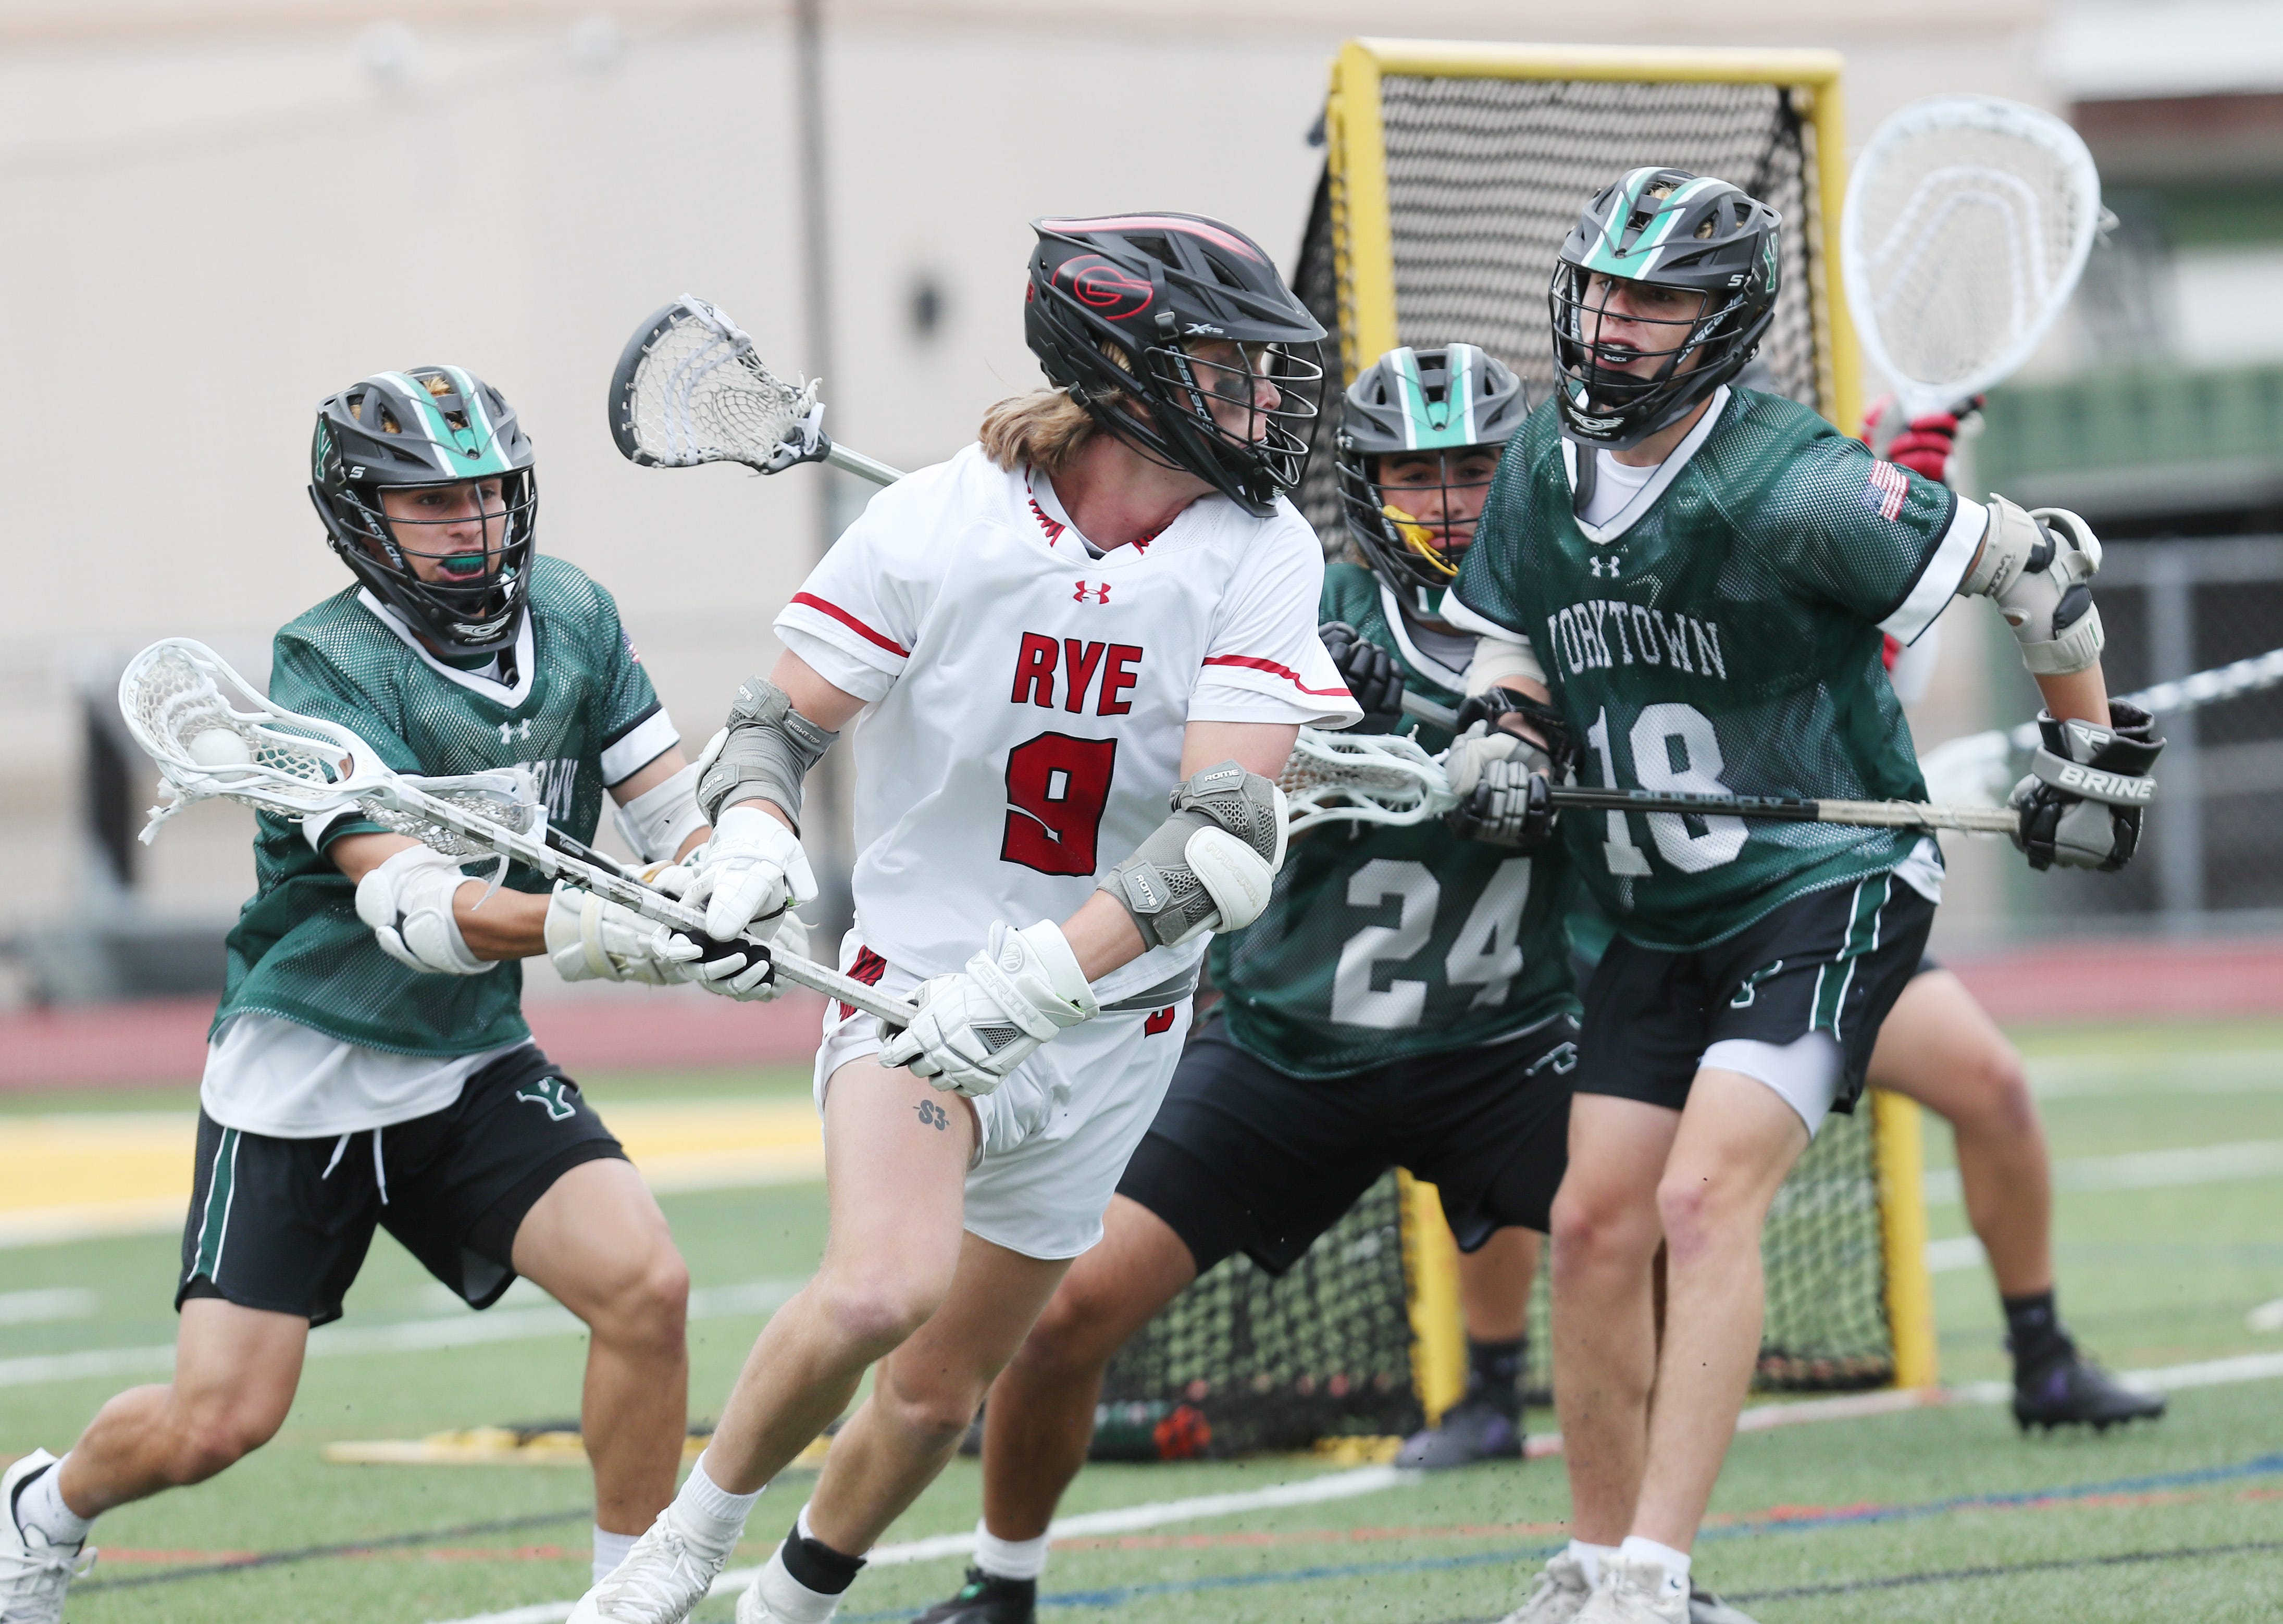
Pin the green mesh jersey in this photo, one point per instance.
(579, 713)
(1384, 943)
(1722, 635)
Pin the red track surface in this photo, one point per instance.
(164, 1040)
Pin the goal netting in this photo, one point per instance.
(1452, 175)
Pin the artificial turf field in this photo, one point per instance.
(1935, 1514)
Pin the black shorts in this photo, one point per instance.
(1242, 1158)
(284, 1225)
(1832, 961)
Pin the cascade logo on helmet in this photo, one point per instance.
(1410, 492)
(1685, 268)
(1152, 321)
(431, 429)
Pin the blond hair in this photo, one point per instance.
(1045, 429)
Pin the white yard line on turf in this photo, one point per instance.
(1124, 1520)
(461, 1330)
(1373, 1480)
(2148, 1169)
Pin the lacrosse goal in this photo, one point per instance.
(1452, 173)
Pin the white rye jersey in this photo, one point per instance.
(1027, 699)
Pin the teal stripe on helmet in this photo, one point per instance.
(1435, 425)
(1639, 262)
(477, 446)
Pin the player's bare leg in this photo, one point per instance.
(236, 1369)
(598, 1243)
(1940, 1048)
(925, 1395)
(1738, 1139)
(1494, 1282)
(896, 1154)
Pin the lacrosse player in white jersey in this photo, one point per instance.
(1104, 609)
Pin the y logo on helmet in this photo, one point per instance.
(1107, 289)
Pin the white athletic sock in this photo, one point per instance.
(788, 1598)
(41, 1506)
(711, 1520)
(1009, 1559)
(610, 1551)
(1675, 1563)
(1590, 1558)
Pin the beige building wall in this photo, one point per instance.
(216, 213)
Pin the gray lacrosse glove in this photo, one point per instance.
(2087, 790)
(1510, 804)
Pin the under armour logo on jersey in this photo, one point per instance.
(1100, 590)
(1594, 565)
(553, 1095)
(510, 732)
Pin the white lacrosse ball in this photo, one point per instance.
(218, 747)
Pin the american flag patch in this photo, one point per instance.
(1885, 490)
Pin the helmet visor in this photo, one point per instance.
(1258, 399)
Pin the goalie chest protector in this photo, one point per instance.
(1384, 943)
(1028, 700)
(580, 714)
(1723, 636)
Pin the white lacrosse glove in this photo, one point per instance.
(749, 876)
(589, 937)
(1482, 744)
(408, 902)
(978, 1025)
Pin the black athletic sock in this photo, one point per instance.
(1495, 1371)
(817, 1566)
(2033, 1330)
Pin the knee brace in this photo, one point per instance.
(1210, 865)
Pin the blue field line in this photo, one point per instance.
(1117, 1596)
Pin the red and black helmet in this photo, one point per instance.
(1119, 308)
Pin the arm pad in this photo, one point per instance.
(2035, 565)
(1209, 866)
(1497, 660)
(656, 821)
(766, 753)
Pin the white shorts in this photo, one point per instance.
(1058, 1133)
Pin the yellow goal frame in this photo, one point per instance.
(1363, 260)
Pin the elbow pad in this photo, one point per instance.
(2036, 566)
(656, 821)
(1211, 865)
(765, 752)
(1498, 661)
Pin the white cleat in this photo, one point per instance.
(777, 1597)
(1558, 1596)
(34, 1573)
(660, 1580)
(1634, 1593)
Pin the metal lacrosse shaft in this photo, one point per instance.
(856, 462)
(629, 893)
(1788, 808)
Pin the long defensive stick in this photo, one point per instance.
(173, 695)
(1786, 809)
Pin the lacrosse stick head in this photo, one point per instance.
(1966, 228)
(690, 388)
(1372, 778)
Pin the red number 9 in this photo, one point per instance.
(1056, 788)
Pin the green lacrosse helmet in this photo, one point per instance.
(1678, 230)
(427, 427)
(1411, 401)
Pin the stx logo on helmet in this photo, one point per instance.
(1108, 289)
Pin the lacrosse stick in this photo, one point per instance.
(182, 702)
(1976, 769)
(690, 388)
(1393, 781)
(1967, 225)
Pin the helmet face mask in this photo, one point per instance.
(437, 439)
(1177, 334)
(1692, 264)
(1420, 432)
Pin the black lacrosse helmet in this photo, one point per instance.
(432, 427)
(1677, 230)
(1115, 302)
(1432, 402)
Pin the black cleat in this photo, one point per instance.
(1706, 1608)
(2069, 1388)
(986, 1598)
(1473, 1429)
